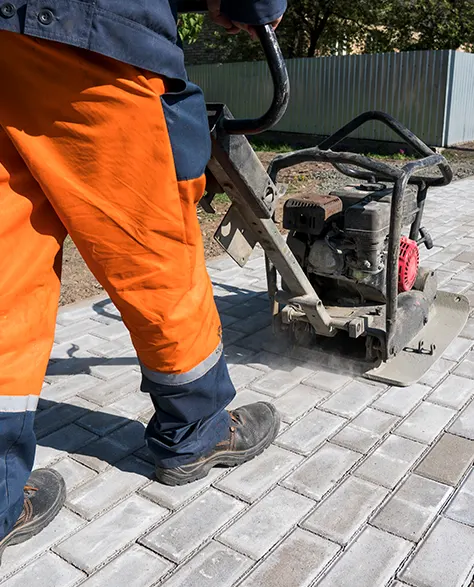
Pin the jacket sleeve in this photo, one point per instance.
(253, 11)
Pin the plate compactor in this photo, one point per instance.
(349, 269)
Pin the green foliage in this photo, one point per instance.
(189, 27)
(428, 24)
(331, 27)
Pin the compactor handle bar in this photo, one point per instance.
(278, 71)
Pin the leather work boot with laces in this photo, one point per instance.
(45, 495)
(253, 428)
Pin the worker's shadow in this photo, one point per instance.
(94, 438)
(75, 363)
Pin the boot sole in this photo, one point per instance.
(27, 531)
(225, 459)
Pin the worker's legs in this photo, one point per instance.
(30, 238)
(120, 155)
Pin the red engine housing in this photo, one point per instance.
(408, 264)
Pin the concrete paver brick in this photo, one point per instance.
(263, 340)
(227, 320)
(76, 329)
(371, 560)
(464, 423)
(106, 451)
(468, 331)
(412, 508)
(62, 368)
(466, 367)
(454, 392)
(309, 432)
(230, 336)
(456, 286)
(111, 349)
(461, 507)
(103, 393)
(294, 563)
(444, 277)
(251, 480)
(234, 355)
(59, 415)
(345, 510)
(136, 567)
(68, 439)
(352, 399)
(455, 266)
(75, 313)
(299, 400)
(445, 558)
(448, 459)
(278, 381)
(426, 422)
(73, 473)
(242, 375)
(132, 405)
(268, 361)
(437, 372)
(66, 388)
(457, 349)
(180, 535)
(103, 491)
(65, 524)
(356, 439)
(266, 522)
(327, 380)
(318, 474)
(68, 349)
(466, 257)
(246, 396)
(213, 566)
(174, 497)
(253, 323)
(45, 456)
(466, 275)
(112, 331)
(48, 570)
(365, 430)
(401, 400)
(109, 368)
(97, 543)
(390, 461)
(102, 422)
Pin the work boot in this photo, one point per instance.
(45, 495)
(253, 428)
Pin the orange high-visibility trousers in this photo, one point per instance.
(115, 157)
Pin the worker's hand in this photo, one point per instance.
(232, 27)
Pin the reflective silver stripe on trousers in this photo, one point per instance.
(18, 403)
(184, 378)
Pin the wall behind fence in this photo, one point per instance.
(425, 90)
(460, 99)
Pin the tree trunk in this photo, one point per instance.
(317, 31)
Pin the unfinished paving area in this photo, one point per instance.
(366, 485)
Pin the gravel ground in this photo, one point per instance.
(78, 283)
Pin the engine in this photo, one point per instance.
(341, 242)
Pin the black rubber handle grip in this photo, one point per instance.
(278, 71)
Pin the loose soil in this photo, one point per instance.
(79, 284)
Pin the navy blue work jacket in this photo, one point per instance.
(139, 32)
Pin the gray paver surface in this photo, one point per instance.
(366, 485)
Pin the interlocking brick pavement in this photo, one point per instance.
(366, 485)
